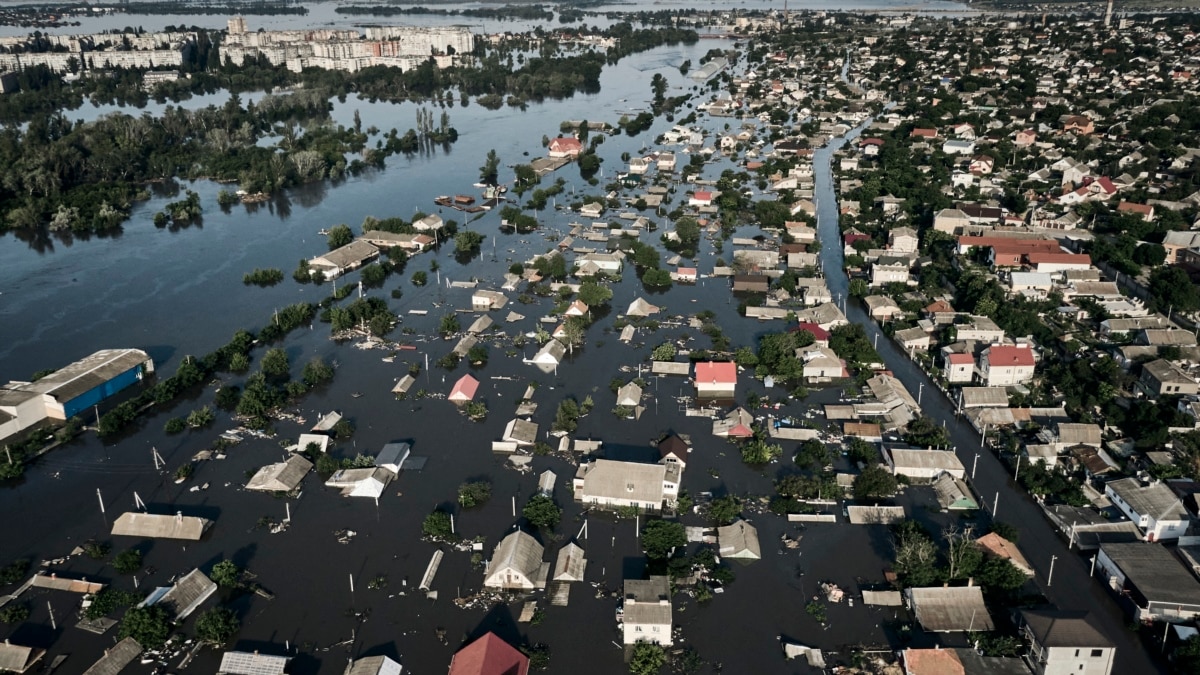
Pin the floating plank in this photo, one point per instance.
(431, 570)
(527, 612)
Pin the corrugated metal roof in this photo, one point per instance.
(131, 524)
(116, 658)
(943, 610)
(87, 373)
(252, 663)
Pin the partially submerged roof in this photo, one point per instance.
(252, 663)
(570, 564)
(116, 658)
(374, 665)
(187, 594)
(950, 609)
(18, 658)
(489, 655)
(998, 546)
(282, 476)
(464, 389)
(520, 552)
(151, 525)
(739, 540)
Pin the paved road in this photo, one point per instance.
(1072, 588)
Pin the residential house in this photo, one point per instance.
(483, 300)
(821, 364)
(888, 270)
(550, 355)
(516, 564)
(715, 379)
(367, 482)
(674, 450)
(1164, 377)
(923, 464)
(252, 663)
(979, 329)
(737, 424)
(489, 655)
(1155, 508)
(686, 275)
(820, 335)
(646, 614)
(751, 283)
(958, 147)
(564, 146)
(981, 165)
(882, 307)
(1143, 211)
(739, 541)
(950, 221)
(1036, 284)
(1155, 582)
(1078, 124)
(903, 240)
(344, 259)
(281, 476)
(374, 665)
(913, 339)
(1065, 643)
(639, 166)
(431, 223)
(570, 563)
(1006, 365)
(959, 368)
(995, 546)
(950, 609)
(666, 161)
(614, 484)
(1025, 138)
(464, 389)
(409, 242)
(1178, 240)
(701, 198)
(629, 395)
(1071, 434)
(392, 456)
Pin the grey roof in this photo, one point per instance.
(132, 524)
(570, 564)
(521, 431)
(632, 481)
(739, 540)
(630, 394)
(518, 552)
(654, 589)
(349, 255)
(1166, 372)
(252, 663)
(1076, 434)
(953, 493)
(187, 594)
(1057, 628)
(116, 658)
(282, 476)
(1157, 574)
(907, 458)
(393, 453)
(87, 373)
(976, 664)
(950, 609)
(1155, 500)
(18, 658)
(373, 665)
(984, 397)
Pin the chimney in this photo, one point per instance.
(970, 582)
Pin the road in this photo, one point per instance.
(1072, 589)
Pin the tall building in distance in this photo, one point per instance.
(237, 25)
(1108, 15)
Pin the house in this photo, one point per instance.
(521, 432)
(953, 494)
(366, 482)
(184, 597)
(998, 547)
(1006, 365)
(614, 484)
(737, 424)
(919, 132)
(913, 339)
(252, 663)
(605, 263)
(1058, 262)
(1025, 138)
(577, 308)
(18, 658)
(629, 395)
(923, 464)
(646, 615)
(950, 609)
(430, 223)
(882, 308)
(739, 541)
(1078, 124)
(115, 658)
(386, 240)
(981, 165)
(979, 329)
(1143, 211)
(1037, 284)
(550, 355)
(392, 456)
(686, 275)
(489, 655)
(751, 283)
(889, 270)
(464, 389)
(1159, 587)
(640, 307)
(674, 450)
(666, 161)
(374, 665)
(959, 368)
(958, 147)
(1154, 508)
(483, 300)
(1071, 434)
(821, 364)
(639, 166)
(1179, 240)
(344, 259)
(565, 146)
(950, 221)
(282, 476)
(715, 379)
(516, 564)
(1164, 377)
(1065, 643)
(570, 563)
(820, 335)
(903, 240)
(701, 198)
(159, 526)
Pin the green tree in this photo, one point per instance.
(128, 561)
(1172, 290)
(150, 626)
(594, 294)
(1000, 575)
(438, 525)
(925, 432)
(725, 510)
(467, 241)
(217, 626)
(201, 417)
(647, 659)
(659, 537)
(449, 324)
(474, 493)
(275, 364)
(226, 574)
(542, 512)
(664, 352)
(489, 173)
(14, 613)
(813, 455)
(859, 288)
(567, 417)
(1187, 655)
(916, 554)
(339, 236)
(875, 482)
(758, 451)
(317, 372)
(419, 278)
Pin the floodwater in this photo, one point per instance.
(136, 289)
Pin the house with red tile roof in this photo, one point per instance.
(716, 378)
(464, 390)
(489, 655)
(565, 146)
(1005, 365)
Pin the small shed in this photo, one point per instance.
(570, 564)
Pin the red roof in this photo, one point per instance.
(1009, 356)
(1068, 258)
(849, 239)
(960, 359)
(464, 389)
(686, 271)
(703, 195)
(1144, 209)
(716, 372)
(565, 144)
(872, 141)
(820, 334)
(741, 431)
(489, 655)
(932, 662)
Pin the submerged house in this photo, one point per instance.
(609, 483)
(367, 482)
(281, 476)
(184, 597)
(517, 564)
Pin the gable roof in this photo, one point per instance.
(932, 662)
(716, 372)
(1005, 355)
(674, 445)
(489, 655)
(115, 658)
(464, 389)
(1057, 628)
(1155, 500)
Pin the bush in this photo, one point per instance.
(217, 625)
(150, 626)
(226, 573)
(110, 600)
(175, 425)
(438, 525)
(128, 561)
(474, 493)
(542, 512)
(14, 612)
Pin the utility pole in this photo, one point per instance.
(974, 465)
(995, 504)
(101, 498)
(1050, 576)
(1018, 470)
